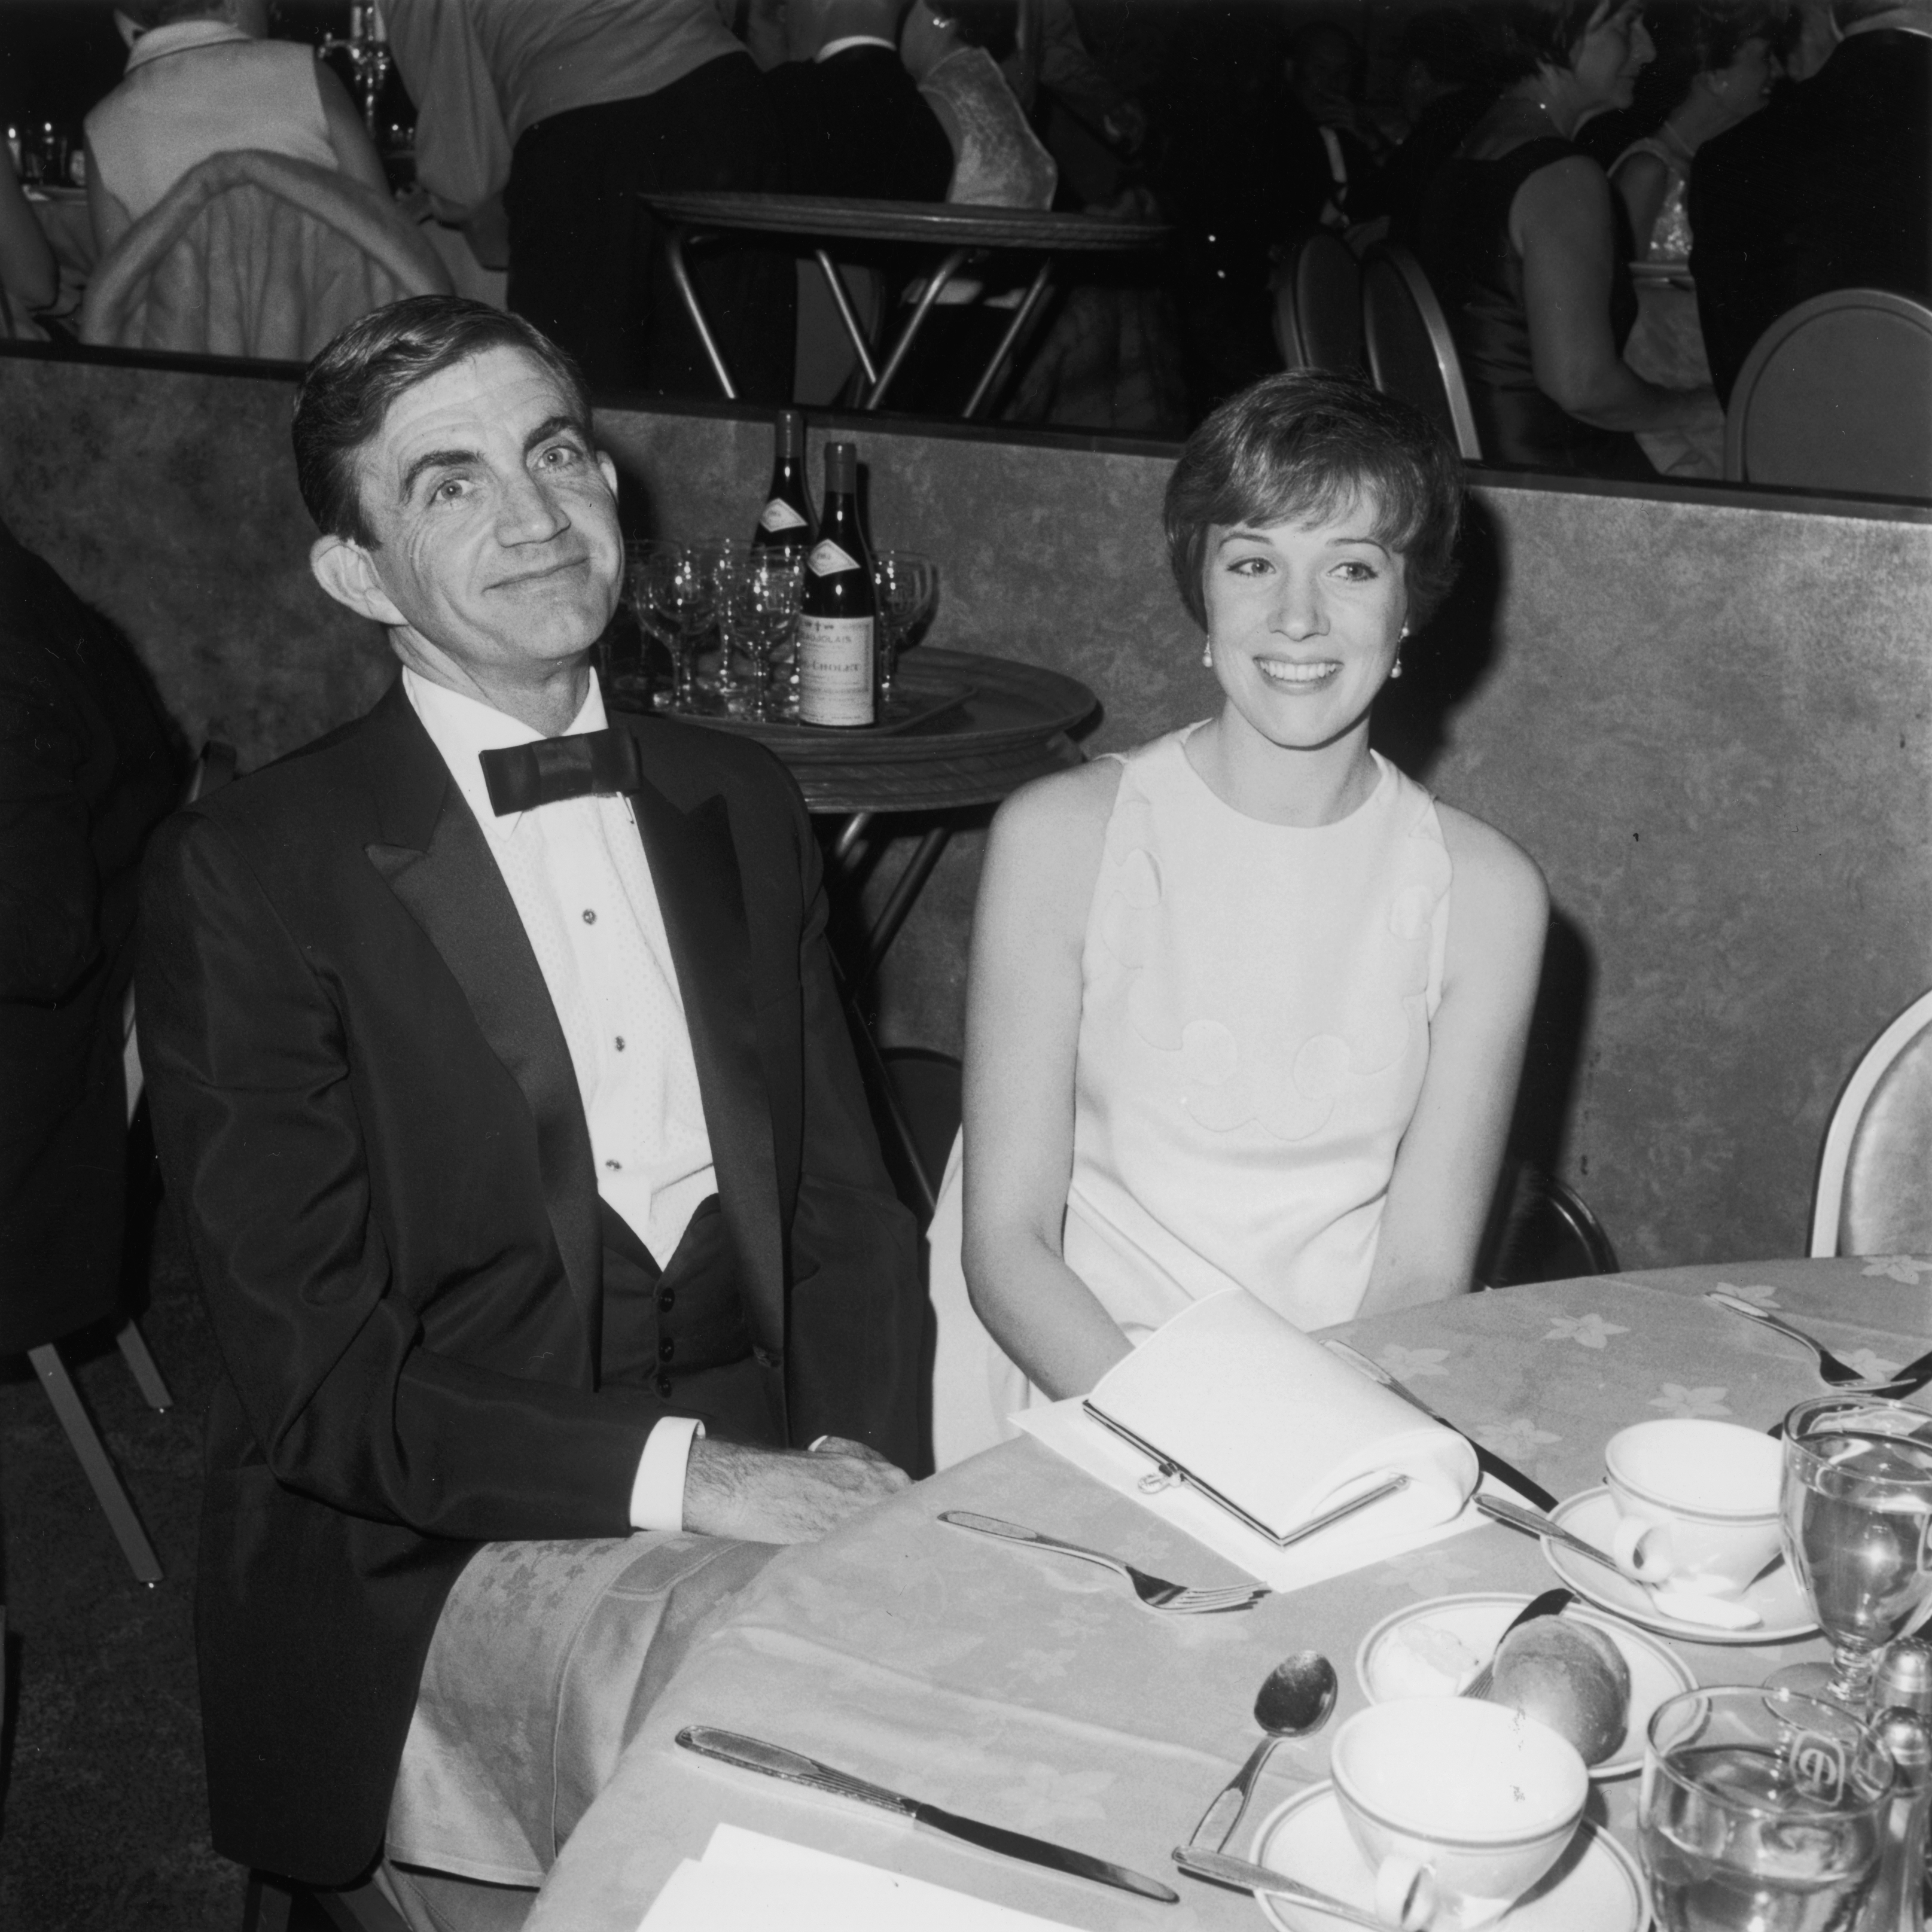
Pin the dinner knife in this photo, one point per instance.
(1487, 1460)
(795, 1767)
(1219, 1869)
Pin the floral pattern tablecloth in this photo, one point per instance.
(1036, 1693)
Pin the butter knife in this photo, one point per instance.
(1487, 1460)
(794, 1768)
(1218, 1868)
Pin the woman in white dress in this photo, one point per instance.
(1246, 1006)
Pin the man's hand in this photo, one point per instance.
(783, 1495)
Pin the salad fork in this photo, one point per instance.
(1156, 1592)
(1839, 1375)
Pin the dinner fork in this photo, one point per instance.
(1156, 1592)
(1839, 1375)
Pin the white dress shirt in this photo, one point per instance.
(579, 877)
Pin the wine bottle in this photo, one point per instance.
(838, 648)
(785, 522)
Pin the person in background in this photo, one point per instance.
(1830, 187)
(89, 766)
(204, 78)
(1528, 251)
(952, 49)
(540, 123)
(29, 276)
(1338, 161)
(1246, 1006)
(852, 120)
(1717, 63)
(1443, 82)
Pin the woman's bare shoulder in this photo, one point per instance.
(1493, 869)
(1044, 852)
(1066, 807)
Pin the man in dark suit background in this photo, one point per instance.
(1829, 187)
(88, 766)
(851, 119)
(499, 1077)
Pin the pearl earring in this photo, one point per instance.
(1395, 670)
(1208, 654)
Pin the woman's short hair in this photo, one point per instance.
(346, 392)
(1533, 33)
(1694, 37)
(1305, 446)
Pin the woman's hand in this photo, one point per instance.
(1022, 1029)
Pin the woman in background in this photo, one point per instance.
(1529, 252)
(1246, 1006)
(202, 79)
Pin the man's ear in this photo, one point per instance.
(347, 572)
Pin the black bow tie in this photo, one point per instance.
(525, 776)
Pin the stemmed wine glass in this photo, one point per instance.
(908, 588)
(1857, 1506)
(757, 610)
(673, 592)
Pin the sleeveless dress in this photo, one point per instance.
(1254, 1013)
(1463, 243)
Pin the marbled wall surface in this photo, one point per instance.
(1708, 722)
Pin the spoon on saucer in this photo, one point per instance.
(1294, 1702)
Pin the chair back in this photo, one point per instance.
(1540, 1228)
(253, 254)
(1411, 353)
(1874, 1190)
(1317, 304)
(1836, 394)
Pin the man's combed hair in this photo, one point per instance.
(347, 391)
(1308, 445)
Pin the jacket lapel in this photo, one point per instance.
(694, 868)
(435, 860)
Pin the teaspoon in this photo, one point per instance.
(1294, 1702)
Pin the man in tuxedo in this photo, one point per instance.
(1829, 187)
(500, 1079)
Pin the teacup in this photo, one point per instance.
(1697, 1503)
(1459, 1807)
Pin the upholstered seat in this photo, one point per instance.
(1411, 353)
(1874, 1191)
(1317, 304)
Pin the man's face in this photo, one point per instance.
(495, 521)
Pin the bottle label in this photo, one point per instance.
(827, 559)
(835, 670)
(778, 515)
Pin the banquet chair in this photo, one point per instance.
(1836, 394)
(1317, 304)
(253, 254)
(1411, 353)
(1540, 1229)
(213, 769)
(1874, 1190)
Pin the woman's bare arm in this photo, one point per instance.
(1560, 222)
(356, 153)
(1023, 993)
(1445, 1171)
(27, 265)
(1642, 181)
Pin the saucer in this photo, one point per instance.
(1477, 1622)
(1595, 1886)
(1776, 1595)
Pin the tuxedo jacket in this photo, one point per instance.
(369, 1122)
(88, 766)
(857, 125)
(1830, 186)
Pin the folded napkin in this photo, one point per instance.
(748, 1882)
(1257, 1412)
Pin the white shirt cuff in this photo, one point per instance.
(657, 1491)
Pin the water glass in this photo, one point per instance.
(758, 615)
(673, 589)
(907, 586)
(1760, 1811)
(1857, 1530)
